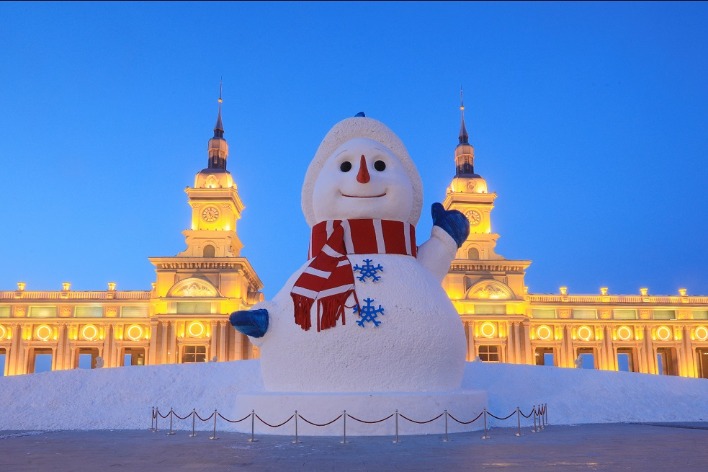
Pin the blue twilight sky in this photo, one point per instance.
(589, 120)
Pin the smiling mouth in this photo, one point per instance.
(363, 196)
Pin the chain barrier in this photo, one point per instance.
(538, 412)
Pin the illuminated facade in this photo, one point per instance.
(504, 323)
(184, 318)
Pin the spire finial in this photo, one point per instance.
(219, 127)
(218, 149)
(464, 137)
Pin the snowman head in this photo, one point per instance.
(361, 170)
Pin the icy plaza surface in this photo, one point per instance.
(625, 447)
(122, 397)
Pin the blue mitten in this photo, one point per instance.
(253, 323)
(452, 221)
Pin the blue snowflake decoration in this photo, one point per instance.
(368, 313)
(368, 270)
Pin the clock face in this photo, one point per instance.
(474, 217)
(210, 214)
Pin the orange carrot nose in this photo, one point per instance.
(363, 175)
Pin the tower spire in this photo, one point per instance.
(464, 137)
(464, 152)
(218, 149)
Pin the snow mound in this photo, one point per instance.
(122, 398)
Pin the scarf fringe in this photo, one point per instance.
(303, 305)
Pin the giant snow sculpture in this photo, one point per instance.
(364, 325)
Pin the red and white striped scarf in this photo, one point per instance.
(328, 278)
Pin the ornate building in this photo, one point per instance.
(504, 323)
(184, 318)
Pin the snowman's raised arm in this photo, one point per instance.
(450, 230)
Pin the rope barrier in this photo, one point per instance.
(420, 422)
(466, 422)
(320, 425)
(275, 425)
(232, 421)
(538, 412)
(502, 419)
(371, 422)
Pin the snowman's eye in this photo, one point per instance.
(346, 166)
(379, 165)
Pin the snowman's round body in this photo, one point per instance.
(418, 345)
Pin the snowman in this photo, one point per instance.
(366, 312)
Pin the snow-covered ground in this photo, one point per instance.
(122, 398)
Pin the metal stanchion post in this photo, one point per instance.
(535, 413)
(396, 440)
(194, 416)
(445, 426)
(213, 436)
(152, 420)
(296, 440)
(253, 425)
(171, 415)
(486, 436)
(545, 413)
(518, 422)
(157, 417)
(344, 415)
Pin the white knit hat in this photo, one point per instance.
(360, 127)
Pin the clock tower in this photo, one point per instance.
(216, 205)
(479, 279)
(209, 278)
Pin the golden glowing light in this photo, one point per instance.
(564, 290)
(544, 332)
(195, 329)
(134, 332)
(21, 286)
(89, 332)
(585, 333)
(3, 332)
(624, 333)
(701, 333)
(663, 333)
(111, 286)
(43, 332)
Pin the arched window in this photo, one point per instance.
(209, 251)
(473, 254)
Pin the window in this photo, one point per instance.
(489, 353)
(586, 358)
(697, 314)
(193, 307)
(5, 311)
(584, 313)
(134, 312)
(88, 312)
(543, 313)
(490, 309)
(209, 251)
(193, 354)
(42, 312)
(622, 314)
(473, 254)
(664, 314)
(544, 356)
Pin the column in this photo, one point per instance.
(214, 332)
(164, 326)
(517, 342)
(222, 341)
(152, 358)
(173, 354)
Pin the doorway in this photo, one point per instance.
(544, 356)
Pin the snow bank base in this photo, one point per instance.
(320, 408)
